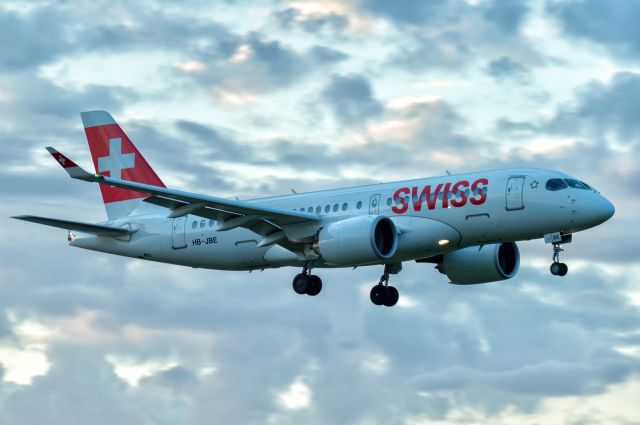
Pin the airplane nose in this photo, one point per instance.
(604, 209)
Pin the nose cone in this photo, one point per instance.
(603, 210)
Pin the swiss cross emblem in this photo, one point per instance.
(116, 161)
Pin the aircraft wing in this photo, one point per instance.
(94, 229)
(230, 213)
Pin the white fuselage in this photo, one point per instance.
(512, 205)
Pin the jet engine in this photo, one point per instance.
(481, 264)
(357, 241)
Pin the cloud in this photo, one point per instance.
(257, 65)
(351, 99)
(234, 346)
(602, 114)
(312, 22)
(414, 12)
(604, 107)
(613, 25)
(508, 15)
(504, 68)
(24, 45)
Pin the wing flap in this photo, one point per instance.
(94, 229)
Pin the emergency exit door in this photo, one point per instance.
(514, 193)
(178, 227)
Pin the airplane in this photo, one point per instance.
(465, 224)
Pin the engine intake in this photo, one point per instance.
(358, 241)
(481, 264)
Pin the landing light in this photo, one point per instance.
(443, 242)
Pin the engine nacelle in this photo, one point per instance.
(357, 241)
(481, 264)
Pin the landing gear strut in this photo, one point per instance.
(557, 268)
(307, 283)
(382, 293)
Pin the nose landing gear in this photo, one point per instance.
(382, 293)
(557, 239)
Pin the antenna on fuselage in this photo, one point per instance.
(448, 172)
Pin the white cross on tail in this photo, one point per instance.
(116, 161)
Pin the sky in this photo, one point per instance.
(255, 98)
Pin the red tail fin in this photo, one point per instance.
(114, 155)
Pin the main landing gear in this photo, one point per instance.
(557, 268)
(382, 293)
(307, 283)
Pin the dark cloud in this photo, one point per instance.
(208, 138)
(23, 43)
(598, 110)
(505, 68)
(176, 378)
(351, 99)
(508, 15)
(604, 107)
(80, 387)
(612, 24)
(259, 65)
(415, 12)
(313, 23)
(454, 35)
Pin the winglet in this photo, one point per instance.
(74, 170)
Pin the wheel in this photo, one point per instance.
(315, 285)
(391, 297)
(378, 294)
(555, 269)
(564, 269)
(301, 283)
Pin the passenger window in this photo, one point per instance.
(389, 200)
(194, 225)
(344, 206)
(555, 184)
(576, 184)
(318, 209)
(327, 208)
(359, 205)
(310, 209)
(335, 207)
(211, 223)
(202, 223)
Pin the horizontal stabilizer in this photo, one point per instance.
(94, 229)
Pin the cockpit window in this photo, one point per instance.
(556, 184)
(577, 184)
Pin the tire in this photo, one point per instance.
(315, 285)
(555, 269)
(378, 294)
(301, 283)
(391, 297)
(564, 269)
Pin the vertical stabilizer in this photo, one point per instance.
(114, 155)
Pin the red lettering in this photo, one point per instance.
(426, 194)
(399, 196)
(431, 200)
(445, 196)
(480, 193)
(463, 195)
